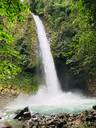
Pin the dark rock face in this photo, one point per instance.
(23, 114)
(94, 107)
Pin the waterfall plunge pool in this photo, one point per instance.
(48, 103)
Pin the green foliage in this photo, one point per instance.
(8, 70)
(25, 82)
(8, 51)
(20, 18)
(86, 52)
(84, 125)
(11, 9)
(8, 38)
(11, 12)
(72, 28)
(17, 49)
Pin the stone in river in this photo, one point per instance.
(23, 114)
(94, 107)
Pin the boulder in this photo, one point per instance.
(23, 114)
(94, 107)
(91, 118)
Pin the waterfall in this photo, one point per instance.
(50, 98)
(47, 59)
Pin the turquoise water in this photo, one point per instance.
(47, 103)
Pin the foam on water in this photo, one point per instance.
(50, 98)
(48, 103)
(51, 79)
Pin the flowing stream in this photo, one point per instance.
(50, 98)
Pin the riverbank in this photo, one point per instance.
(86, 119)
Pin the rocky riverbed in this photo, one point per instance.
(25, 119)
(63, 120)
(86, 119)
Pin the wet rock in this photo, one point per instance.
(91, 118)
(60, 120)
(36, 115)
(23, 114)
(94, 107)
(0, 118)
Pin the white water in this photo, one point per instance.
(50, 98)
(51, 79)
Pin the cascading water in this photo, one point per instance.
(50, 98)
(47, 59)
